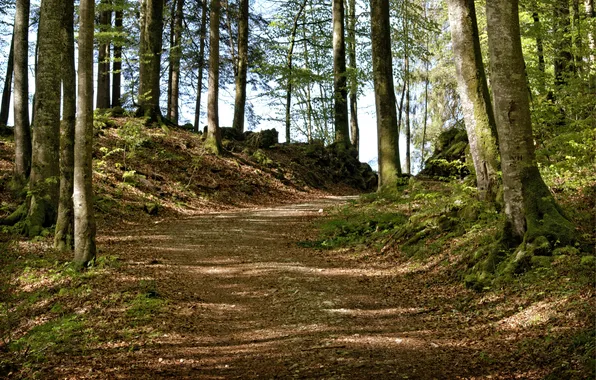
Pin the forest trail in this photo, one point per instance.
(244, 300)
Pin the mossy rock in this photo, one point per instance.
(228, 133)
(263, 139)
(261, 158)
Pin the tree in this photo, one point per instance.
(389, 166)
(474, 96)
(203, 32)
(563, 59)
(175, 57)
(117, 66)
(532, 213)
(45, 170)
(351, 46)
(5, 105)
(64, 223)
(103, 57)
(241, 68)
(150, 59)
(84, 219)
(22, 131)
(213, 140)
(340, 94)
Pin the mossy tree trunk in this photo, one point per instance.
(104, 56)
(6, 92)
(150, 59)
(201, 64)
(241, 68)
(529, 206)
(340, 92)
(562, 44)
(45, 170)
(22, 131)
(351, 45)
(474, 96)
(213, 140)
(84, 219)
(389, 166)
(63, 237)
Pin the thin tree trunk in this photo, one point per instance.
(355, 131)
(407, 84)
(401, 107)
(241, 68)
(529, 206)
(22, 131)
(309, 113)
(408, 130)
(63, 236)
(474, 96)
(103, 57)
(45, 169)
(213, 140)
(5, 107)
(340, 93)
(84, 219)
(426, 81)
(117, 65)
(290, 67)
(175, 57)
(150, 57)
(389, 166)
(540, 51)
(590, 14)
(577, 37)
(201, 64)
(563, 60)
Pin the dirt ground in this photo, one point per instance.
(244, 300)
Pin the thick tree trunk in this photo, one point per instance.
(201, 64)
(63, 237)
(5, 106)
(117, 65)
(530, 208)
(22, 131)
(175, 56)
(354, 130)
(474, 96)
(104, 58)
(389, 166)
(45, 170)
(213, 140)
(289, 65)
(241, 68)
(150, 59)
(340, 93)
(84, 219)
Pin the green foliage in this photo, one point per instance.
(134, 135)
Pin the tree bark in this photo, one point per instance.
(117, 65)
(590, 14)
(241, 68)
(84, 219)
(213, 140)
(407, 84)
(22, 131)
(389, 166)
(530, 208)
(408, 165)
(63, 236)
(340, 93)
(474, 96)
(45, 170)
(354, 130)
(563, 59)
(150, 59)
(175, 57)
(103, 57)
(289, 65)
(201, 64)
(540, 51)
(5, 106)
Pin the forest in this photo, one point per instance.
(298, 189)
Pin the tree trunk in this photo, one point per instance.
(407, 83)
(590, 14)
(103, 57)
(241, 68)
(45, 169)
(290, 67)
(201, 64)
(213, 140)
(22, 131)
(577, 37)
(63, 237)
(150, 59)
(408, 130)
(563, 60)
(355, 131)
(84, 219)
(340, 94)
(175, 56)
(401, 107)
(529, 206)
(117, 65)
(5, 107)
(389, 166)
(474, 96)
(540, 51)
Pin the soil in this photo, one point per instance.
(244, 300)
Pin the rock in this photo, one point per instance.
(262, 139)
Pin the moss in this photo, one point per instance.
(212, 145)
(588, 261)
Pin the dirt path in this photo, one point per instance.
(244, 300)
